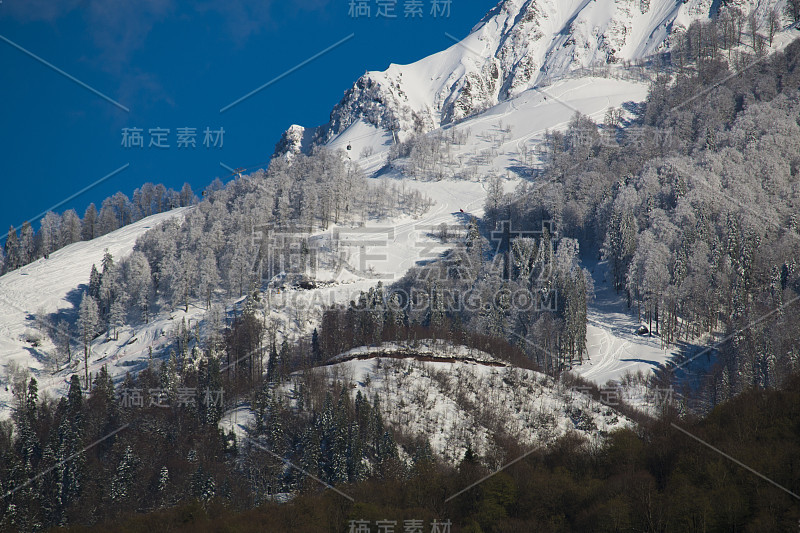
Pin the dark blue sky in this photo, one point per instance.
(174, 66)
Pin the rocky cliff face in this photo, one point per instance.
(292, 142)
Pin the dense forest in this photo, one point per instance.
(174, 464)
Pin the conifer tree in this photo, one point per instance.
(88, 323)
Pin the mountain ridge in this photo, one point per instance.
(517, 45)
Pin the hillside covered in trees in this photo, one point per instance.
(59, 230)
(695, 208)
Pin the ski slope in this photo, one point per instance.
(382, 251)
(613, 347)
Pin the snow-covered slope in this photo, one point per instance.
(518, 45)
(503, 139)
(458, 404)
(49, 285)
(457, 398)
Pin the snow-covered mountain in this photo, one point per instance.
(518, 45)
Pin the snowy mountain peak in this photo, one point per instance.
(519, 44)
